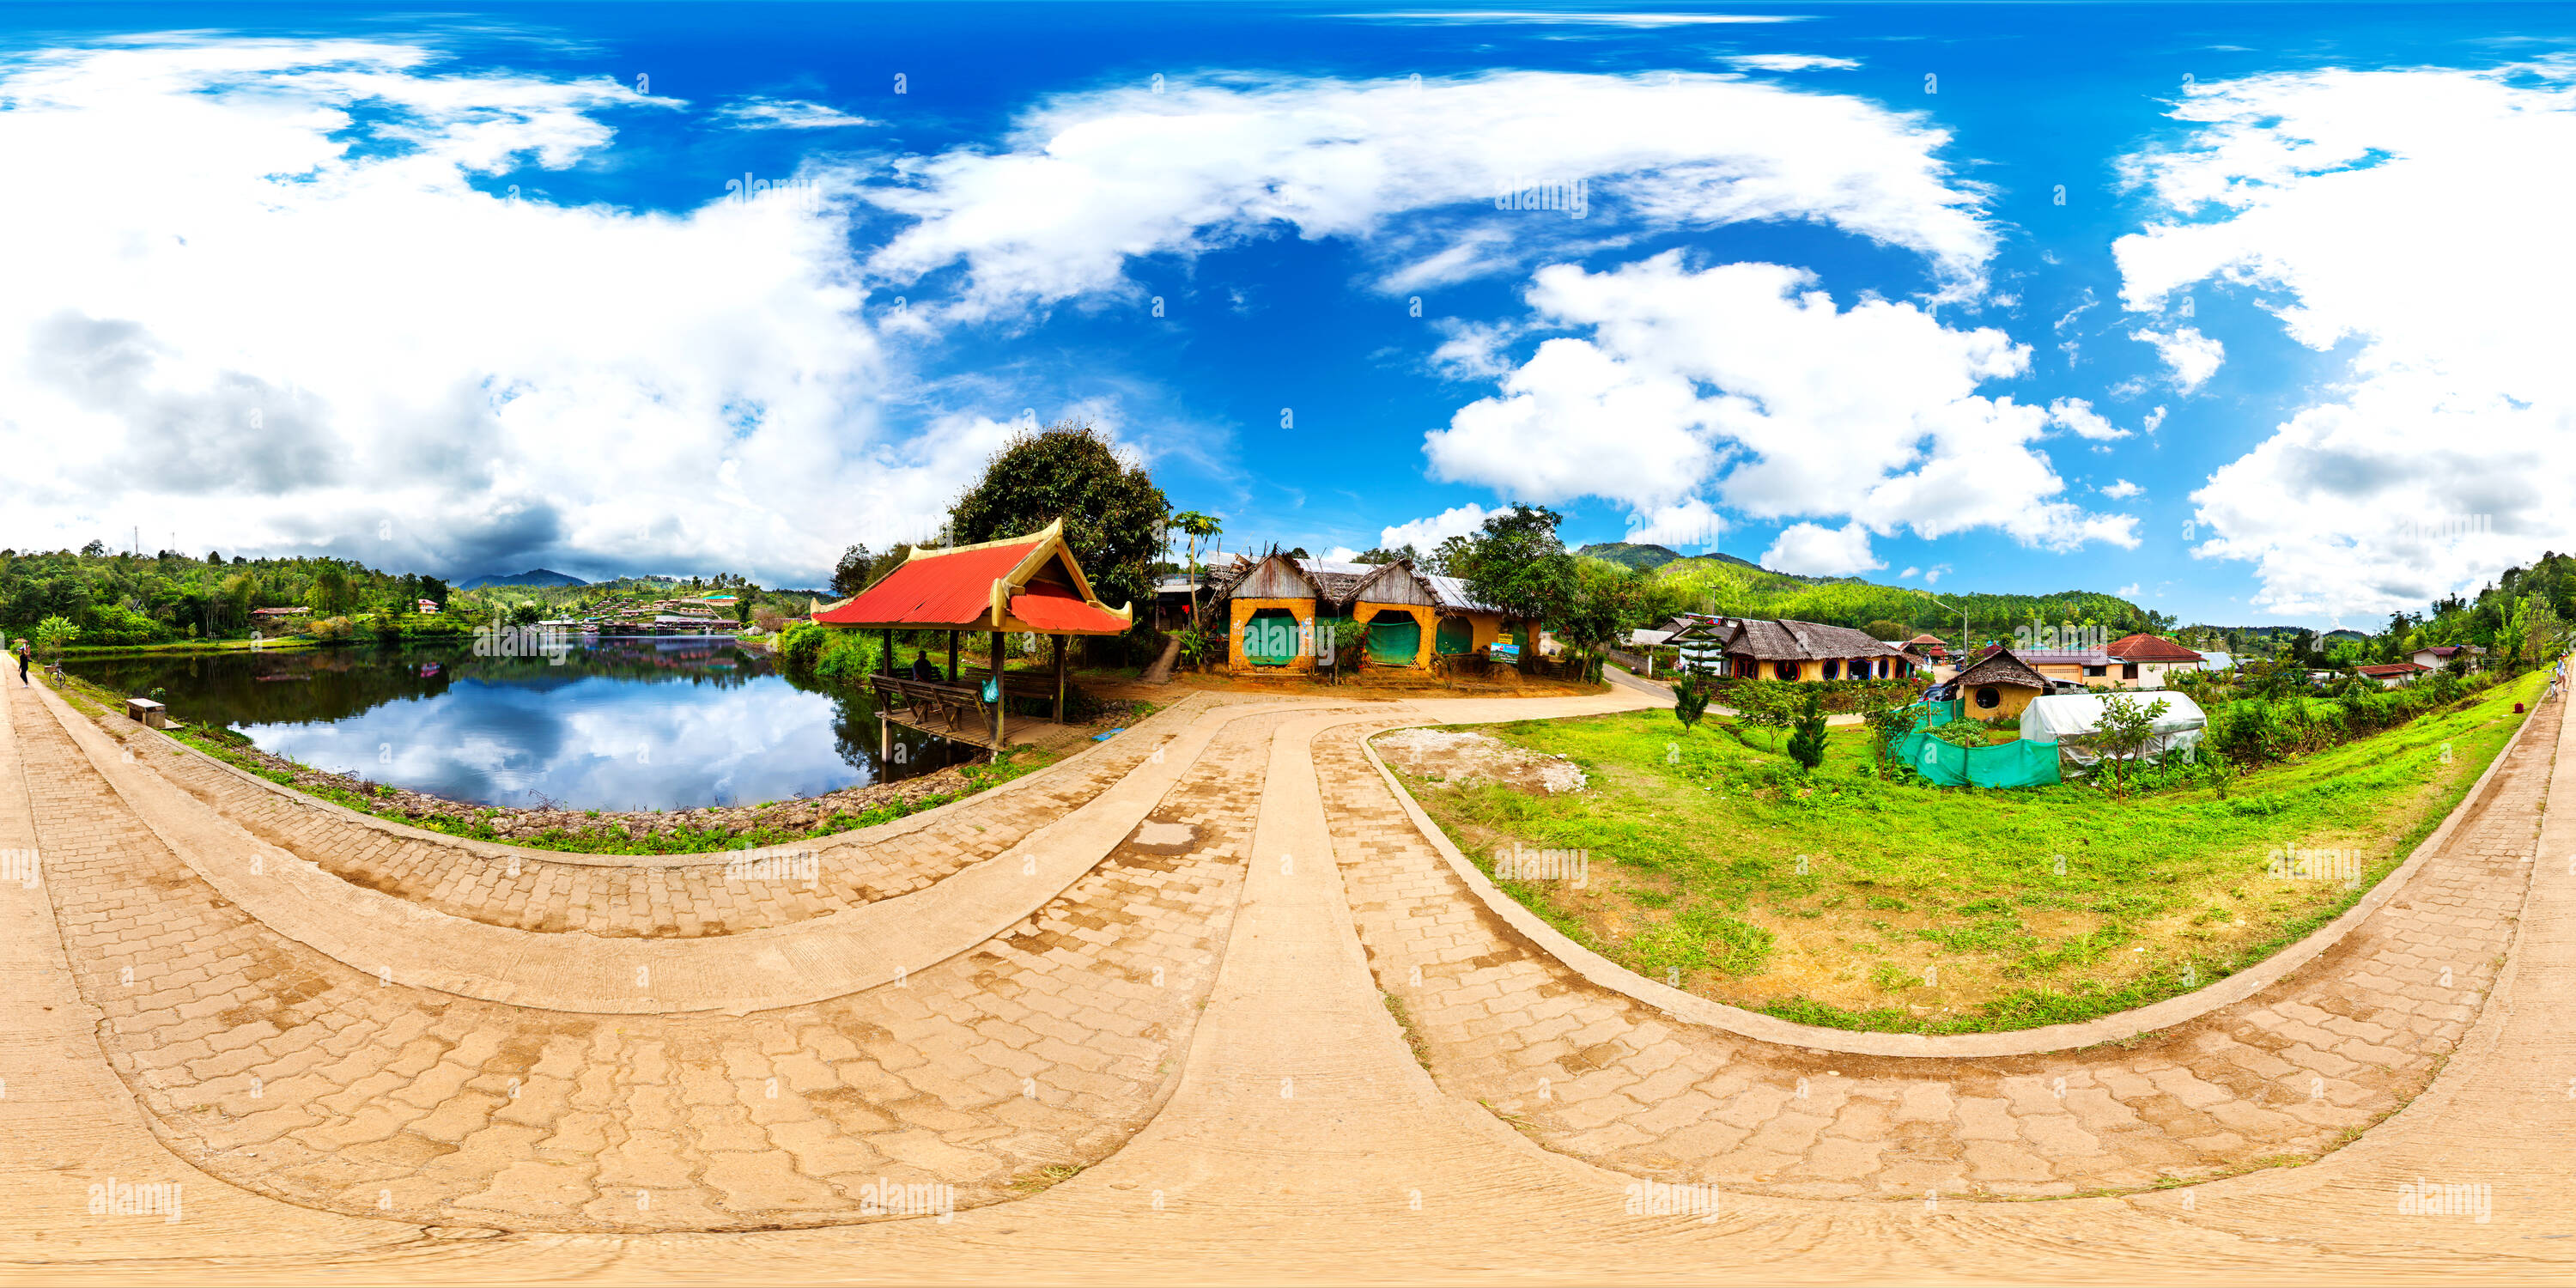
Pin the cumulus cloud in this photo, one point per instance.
(1744, 378)
(321, 304)
(2122, 490)
(1688, 522)
(2402, 211)
(2193, 357)
(1812, 550)
(785, 114)
(1426, 535)
(1087, 181)
(2078, 415)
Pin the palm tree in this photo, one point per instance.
(1198, 527)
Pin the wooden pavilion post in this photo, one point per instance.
(1001, 697)
(952, 657)
(886, 663)
(1059, 679)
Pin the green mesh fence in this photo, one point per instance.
(2011, 764)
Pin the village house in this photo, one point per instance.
(2143, 660)
(1998, 685)
(2394, 674)
(2439, 656)
(1791, 650)
(1275, 606)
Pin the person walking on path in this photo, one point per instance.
(23, 658)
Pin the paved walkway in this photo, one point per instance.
(1256, 1113)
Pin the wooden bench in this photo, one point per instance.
(953, 703)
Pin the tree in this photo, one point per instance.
(1516, 563)
(1384, 555)
(94, 549)
(1196, 527)
(1883, 629)
(2124, 730)
(746, 598)
(1690, 699)
(850, 575)
(330, 590)
(1606, 599)
(1114, 517)
(1762, 707)
(53, 633)
(1807, 744)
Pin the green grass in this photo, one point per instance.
(1826, 899)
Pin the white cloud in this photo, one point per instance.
(2129, 591)
(1869, 413)
(1088, 181)
(1689, 522)
(1909, 572)
(1933, 574)
(1425, 535)
(785, 114)
(2194, 357)
(1790, 62)
(2154, 420)
(2415, 214)
(2122, 490)
(2078, 415)
(1811, 550)
(288, 318)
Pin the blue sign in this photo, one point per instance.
(993, 690)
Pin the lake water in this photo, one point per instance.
(626, 722)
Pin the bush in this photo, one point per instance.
(1690, 700)
(1807, 745)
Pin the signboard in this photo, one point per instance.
(1506, 652)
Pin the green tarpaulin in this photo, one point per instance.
(1395, 639)
(2011, 764)
(1456, 635)
(1270, 641)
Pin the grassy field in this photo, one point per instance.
(1859, 902)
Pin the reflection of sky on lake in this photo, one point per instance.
(586, 742)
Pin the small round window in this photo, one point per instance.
(1988, 699)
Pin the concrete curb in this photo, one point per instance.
(1694, 1009)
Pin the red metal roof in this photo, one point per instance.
(2393, 668)
(2143, 647)
(1054, 608)
(949, 588)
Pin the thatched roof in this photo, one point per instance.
(2001, 667)
(1793, 641)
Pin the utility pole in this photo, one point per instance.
(1963, 618)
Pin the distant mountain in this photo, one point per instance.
(532, 577)
(1646, 558)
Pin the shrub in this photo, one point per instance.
(1690, 700)
(1807, 744)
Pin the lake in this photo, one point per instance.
(624, 722)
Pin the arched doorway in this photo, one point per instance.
(1394, 638)
(1270, 637)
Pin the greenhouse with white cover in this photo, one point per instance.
(2057, 718)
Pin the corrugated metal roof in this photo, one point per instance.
(1453, 593)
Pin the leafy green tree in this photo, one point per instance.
(2121, 735)
(53, 633)
(1516, 563)
(1807, 744)
(1883, 629)
(1762, 708)
(850, 575)
(1114, 517)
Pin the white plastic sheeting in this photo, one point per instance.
(2073, 715)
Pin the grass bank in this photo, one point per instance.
(1856, 901)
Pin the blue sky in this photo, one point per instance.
(2246, 307)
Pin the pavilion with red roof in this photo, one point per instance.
(1028, 584)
